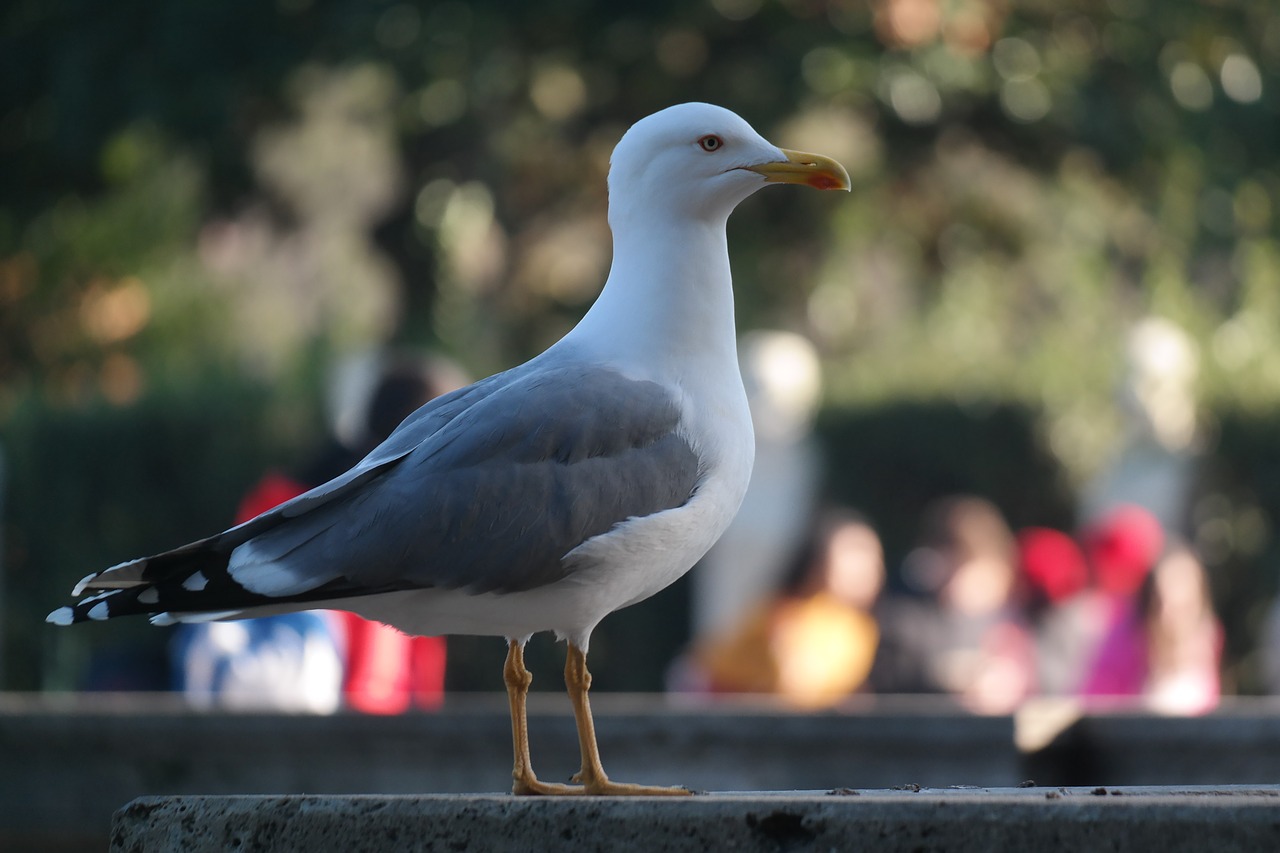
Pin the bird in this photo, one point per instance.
(546, 496)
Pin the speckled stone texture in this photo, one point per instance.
(1168, 820)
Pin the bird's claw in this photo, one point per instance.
(533, 787)
(602, 786)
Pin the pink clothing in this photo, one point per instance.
(1120, 665)
(1123, 668)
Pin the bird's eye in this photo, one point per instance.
(711, 142)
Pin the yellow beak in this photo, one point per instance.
(817, 171)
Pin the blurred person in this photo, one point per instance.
(1120, 549)
(1165, 647)
(969, 637)
(1068, 615)
(283, 661)
(291, 663)
(814, 642)
(1155, 464)
(1185, 636)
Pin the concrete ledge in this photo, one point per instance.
(955, 820)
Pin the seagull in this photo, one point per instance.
(547, 496)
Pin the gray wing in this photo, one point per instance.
(416, 429)
(493, 499)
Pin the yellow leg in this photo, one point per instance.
(518, 679)
(592, 776)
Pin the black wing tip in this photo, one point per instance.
(95, 609)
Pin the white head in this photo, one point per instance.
(698, 161)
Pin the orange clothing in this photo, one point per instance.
(811, 651)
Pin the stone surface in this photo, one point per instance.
(955, 820)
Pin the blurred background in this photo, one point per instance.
(1047, 313)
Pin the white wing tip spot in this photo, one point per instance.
(196, 582)
(61, 616)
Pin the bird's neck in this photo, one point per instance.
(669, 295)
